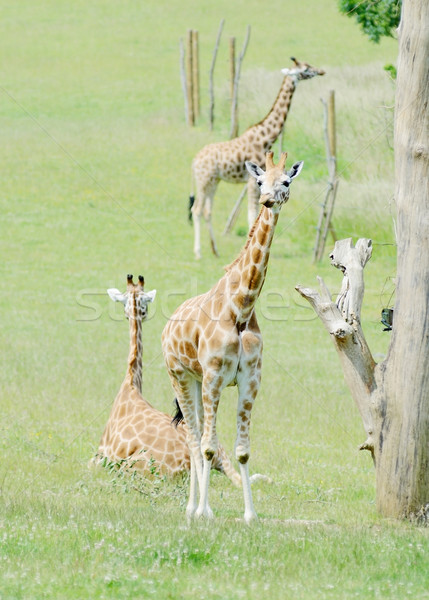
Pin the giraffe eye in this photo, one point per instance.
(286, 183)
(259, 182)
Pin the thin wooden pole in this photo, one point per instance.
(332, 125)
(234, 119)
(332, 136)
(234, 107)
(195, 74)
(327, 209)
(235, 212)
(183, 77)
(212, 99)
(232, 65)
(189, 91)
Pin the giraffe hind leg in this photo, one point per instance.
(208, 218)
(191, 204)
(202, 206)
(178, 417)
(222, 463)
(188, 394)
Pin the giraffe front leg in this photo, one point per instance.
(242, 447)
(209, 443)
(248, 381)
(188, 393)
(192, 501)
(197, 232)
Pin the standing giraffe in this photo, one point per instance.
(135, 429)
(226, 160)
(213, 341)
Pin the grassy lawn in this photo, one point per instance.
(96, 156)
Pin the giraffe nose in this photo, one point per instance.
(265, 198)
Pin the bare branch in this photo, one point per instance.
(234, 123)
(212, 100)
(342, 321)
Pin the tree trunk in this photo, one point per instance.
(403, 451)
(393, 397)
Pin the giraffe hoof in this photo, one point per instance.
(190, 513)
(204, 513)
(250, 517)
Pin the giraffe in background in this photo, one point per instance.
(226, 160)
(135, 429)
(213, 341)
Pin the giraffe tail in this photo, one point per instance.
(222, 463)
(192, 194)
(191, 204)
(258, 477)
(178, 417)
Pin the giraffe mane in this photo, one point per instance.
(227, 268)
(269, 112)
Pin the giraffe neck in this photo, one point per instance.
(270, 127)
(134, 371)
(246, 275)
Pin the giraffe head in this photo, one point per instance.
(302, 70)
(274, 182)
(135, 299)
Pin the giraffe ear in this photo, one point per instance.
(295, 169)
(151, 295)
(117, 296)
(253, 169)
(291, 72)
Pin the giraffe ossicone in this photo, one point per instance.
(213, 341)
(226, 160)
(136, 431)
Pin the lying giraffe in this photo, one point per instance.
(226, 160)
(213, 341)
(135, 429)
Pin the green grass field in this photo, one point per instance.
(95, 157)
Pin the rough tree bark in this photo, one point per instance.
(403, 468)
(393, 397)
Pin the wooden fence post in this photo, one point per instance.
(332, 132)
